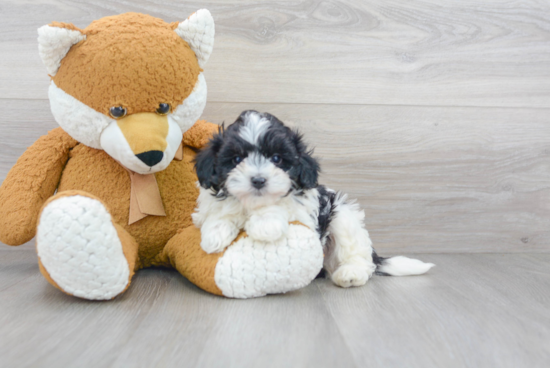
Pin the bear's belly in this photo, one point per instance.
(95, 172)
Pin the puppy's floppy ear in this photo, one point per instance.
(205, 161)
(307, 171)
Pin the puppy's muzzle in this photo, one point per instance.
(258, 182)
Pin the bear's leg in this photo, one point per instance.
(248, 268)
(80, 250)
(183, 251)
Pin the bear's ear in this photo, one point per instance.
(54, 41)
(198, 31)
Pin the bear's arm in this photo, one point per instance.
(30, 182)
(198, 135)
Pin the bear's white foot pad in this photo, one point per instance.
(250, 268)
(79, 247)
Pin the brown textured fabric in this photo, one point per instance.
(30, 182)
(70, 26)
(67, 193)
(185, 254)
(199, 134)
(130, 250)
(95, 172)
(146, 64)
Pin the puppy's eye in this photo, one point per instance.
(237, 160)
(276, 159)
(117, 112)
(163, 109)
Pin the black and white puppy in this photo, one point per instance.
(258, 175)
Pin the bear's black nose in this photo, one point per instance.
(258, 182)
(150, 158)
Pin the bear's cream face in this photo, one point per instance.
(139, 71)
(126, 138)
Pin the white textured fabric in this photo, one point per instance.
(252, 268)
(79, 247)
(198, 31)
(53, 45)
(192, 107)
(79, 120)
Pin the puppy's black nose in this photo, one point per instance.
(258, 182)
(150, 158)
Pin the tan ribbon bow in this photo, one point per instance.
(145, 194)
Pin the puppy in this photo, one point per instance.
(258, 175)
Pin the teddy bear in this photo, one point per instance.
(112, 189)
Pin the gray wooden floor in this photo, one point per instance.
(472, 310)
(434, 114)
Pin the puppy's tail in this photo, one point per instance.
(399, 266)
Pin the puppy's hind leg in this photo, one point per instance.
(349, 251)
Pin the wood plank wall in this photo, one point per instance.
(435, 115)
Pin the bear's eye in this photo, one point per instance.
(117, 112)
(163, 109)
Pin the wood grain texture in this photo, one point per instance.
(465, 314)
(431, 179)
(452, 53)
(470, 311)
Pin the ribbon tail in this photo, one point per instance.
(179, 153)
(135, 213)
(148, 195)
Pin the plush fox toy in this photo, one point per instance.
(112, 189)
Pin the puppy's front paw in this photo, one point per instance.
(266, 228)
(217, 236)
(348, 275)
